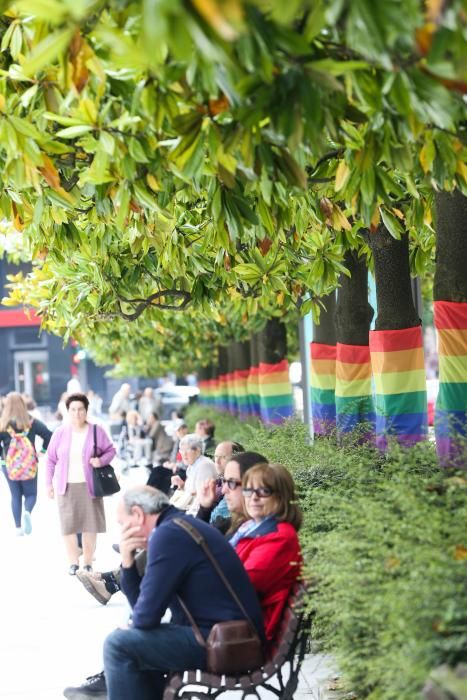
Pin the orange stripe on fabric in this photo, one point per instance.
(350, 372)
(452, 341)
(397, 361)
(323, 366)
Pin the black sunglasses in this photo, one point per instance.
(232, 484)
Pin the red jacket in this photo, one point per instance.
(273, 561)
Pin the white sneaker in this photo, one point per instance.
(19, 531)
(26, 523)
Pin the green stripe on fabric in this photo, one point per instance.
(325, 396)
(354, 405)
(273, 401)
(452, 396)
(396, 404)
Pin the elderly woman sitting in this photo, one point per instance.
(199, 468)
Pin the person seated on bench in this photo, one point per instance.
(137, 657)
(102, 586)
(217, 503)
(267, 543)
(199, 468)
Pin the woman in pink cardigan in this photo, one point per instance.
(69, 468)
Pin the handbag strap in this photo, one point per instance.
(199, 539)
(94, 433)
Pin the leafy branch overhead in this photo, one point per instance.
(221, 154)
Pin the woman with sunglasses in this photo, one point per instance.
(267, 542)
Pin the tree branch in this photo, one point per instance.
(153, 300)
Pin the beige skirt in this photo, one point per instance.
(79, 512)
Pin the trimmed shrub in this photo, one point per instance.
(385, 547)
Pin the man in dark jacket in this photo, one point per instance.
(136, 658)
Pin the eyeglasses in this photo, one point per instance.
(231, 484)
(260, 492)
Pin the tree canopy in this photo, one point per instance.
(205, 164)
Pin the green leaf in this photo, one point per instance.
(47, 51)
(73, 132)
(391, 223)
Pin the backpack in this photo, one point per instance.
(21, 458)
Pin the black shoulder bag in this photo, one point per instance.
(104, 479)
(232, 647)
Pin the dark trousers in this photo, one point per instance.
(22, 489)
(136, 661)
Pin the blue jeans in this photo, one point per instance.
(135, 660)
(21, 489)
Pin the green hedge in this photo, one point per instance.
(385, 544)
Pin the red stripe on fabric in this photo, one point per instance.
(266, 368)
(241, 373)
(321, 351)
(254, 371)
(353, 354)
(18, 317)
(450, 314)
(404, 339)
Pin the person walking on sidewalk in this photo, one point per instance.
(18, 432)
(70, 461)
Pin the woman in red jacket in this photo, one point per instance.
(267, 543)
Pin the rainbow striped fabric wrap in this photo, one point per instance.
(451, 406)
(354, 395)
(398, 366)
(323, 384)
(264, 391)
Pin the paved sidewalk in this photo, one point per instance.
(51, 629)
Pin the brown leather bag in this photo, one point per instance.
(232, 647)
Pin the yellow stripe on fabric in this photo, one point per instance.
(275, 389)
(349, 371)
(360, 387)
(397, 361)
(400, 382)
(452, 341)
(322, 381)
(453, 368)
(323, 366)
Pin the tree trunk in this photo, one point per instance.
(450, 315)
(396, 346)
(354, 397)
(323, 370)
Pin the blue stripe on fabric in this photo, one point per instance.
(405, 424)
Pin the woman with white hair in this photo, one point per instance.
(199, 469)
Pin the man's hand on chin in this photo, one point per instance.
(132, 539)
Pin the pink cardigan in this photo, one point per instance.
(58, 456)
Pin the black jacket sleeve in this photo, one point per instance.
(39, 428)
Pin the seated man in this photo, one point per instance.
(217, 505)
(137, 657)
(205, 430)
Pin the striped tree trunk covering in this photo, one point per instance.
(354, 395)
(240, 386)
(323, 383)
(275, 392)
(264, 391)
(451, 406)
(398, 366)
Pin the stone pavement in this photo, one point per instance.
(51, 628)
